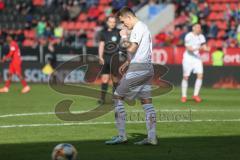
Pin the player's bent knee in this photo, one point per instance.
(199, 76)
(117, 97)
(185, 78)
(9, 75)
(20, 76)
(146, 101)
(105, 78)
(115, 79)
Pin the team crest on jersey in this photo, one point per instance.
(114, 38)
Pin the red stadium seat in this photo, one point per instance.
(103, 2)
(92, 25)
(85, 25)
(78, 26)
(82, 17)
(90, 43)
(216, 7)
(221, 34)
(219, 43)
(222, 25)
(38, 2)
(220, 16)
(213, 16)
(102, 17)
(81, 25)
(90, 34)
(64, 24)
(233, 6)
(30, 34)
(216, 43)
(28, 43)
(211, 42)
(229, 1)
(101, 8)
(70, 26)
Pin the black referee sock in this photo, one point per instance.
(104, 88)
(115, 84)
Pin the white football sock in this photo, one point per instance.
(120, 117)
(197, 87)
(184, 87)
(150, 120)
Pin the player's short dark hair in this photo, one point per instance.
(125, 11)
(194, 24)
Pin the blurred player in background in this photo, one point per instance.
(194, 42)
(109, 39)
(136, 82)
(14, 66)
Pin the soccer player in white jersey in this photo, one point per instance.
(136, 82)
(194, 42)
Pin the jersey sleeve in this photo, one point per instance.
(202, 39)
(136, 35)
(187, 40)
(101, 36)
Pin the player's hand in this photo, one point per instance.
(208, 49)
(124, 33)
(101, 61)
(205, 48)
(123, 68)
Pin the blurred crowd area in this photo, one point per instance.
(75, 23)
(220, 21)
(63, 22)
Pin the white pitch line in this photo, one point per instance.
(161, 110)
(35, 114)
(106, 123)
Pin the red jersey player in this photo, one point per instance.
(14, 66)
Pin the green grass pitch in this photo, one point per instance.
(206, 131)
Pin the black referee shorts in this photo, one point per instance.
(112, 64)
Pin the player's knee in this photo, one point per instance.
(9, 75)
(117, 97)
(146, 101)
(20, 76)
(199, 76)
(185, 78)
(105, 79)
(114, 79)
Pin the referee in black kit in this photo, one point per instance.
(108, 52)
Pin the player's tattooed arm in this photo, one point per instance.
(123, 67)
(124, 38)
(125, 43)
(205, 47)
(132, 48)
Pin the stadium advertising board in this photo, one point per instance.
(174, 55)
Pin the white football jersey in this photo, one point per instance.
(142, 36)
(195, 41)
